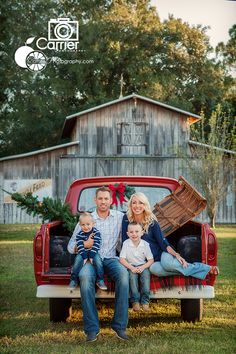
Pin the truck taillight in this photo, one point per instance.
(212, 247)
(38, 247)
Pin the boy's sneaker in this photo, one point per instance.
(73, 284)
(136, 307)
(101, 285)
(145, 307)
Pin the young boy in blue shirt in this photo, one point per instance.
(87, 231)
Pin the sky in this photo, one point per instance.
(220, 15)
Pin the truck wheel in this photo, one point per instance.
(59, 309)
(191, 310)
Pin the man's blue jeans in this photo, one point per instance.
(119, 274)
(143, 295)
(78, 265)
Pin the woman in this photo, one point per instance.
(166, 261)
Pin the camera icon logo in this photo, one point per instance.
(63, 29)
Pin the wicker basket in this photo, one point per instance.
(179, 207)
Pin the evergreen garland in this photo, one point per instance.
(53, 210)
(49, 209)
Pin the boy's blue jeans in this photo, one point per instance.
(78, 265)
(139, 287)
(119, 274)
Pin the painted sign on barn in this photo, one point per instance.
(38, 187)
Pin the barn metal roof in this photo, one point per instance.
(70, 120)
(226, 151)
(36, 152)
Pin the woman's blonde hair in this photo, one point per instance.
(148, 216)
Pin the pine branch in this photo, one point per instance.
(49, 209)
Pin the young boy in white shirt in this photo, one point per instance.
(137, 257)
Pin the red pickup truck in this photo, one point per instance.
(195, 241)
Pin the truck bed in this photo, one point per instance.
(60, 260)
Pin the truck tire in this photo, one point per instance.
(191, 310)
(59, 309)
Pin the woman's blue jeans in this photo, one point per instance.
(169, 265)
(119, 274)
(140, 287)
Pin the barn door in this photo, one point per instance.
(132, 138)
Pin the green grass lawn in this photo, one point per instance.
(25, 326)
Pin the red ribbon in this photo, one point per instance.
(118, 190)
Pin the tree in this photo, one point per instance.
(165, 61)
(226, 54)
(213, 163)
(228, 51)
(34, 105)
(189, 79)
(28, 100)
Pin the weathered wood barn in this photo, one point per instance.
(133, 135)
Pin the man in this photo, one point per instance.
(108, 222)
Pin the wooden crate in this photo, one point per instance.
(179, 207)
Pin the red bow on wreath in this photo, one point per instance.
(118, 191)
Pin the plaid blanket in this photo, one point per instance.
(164, 282)
(175, 280)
